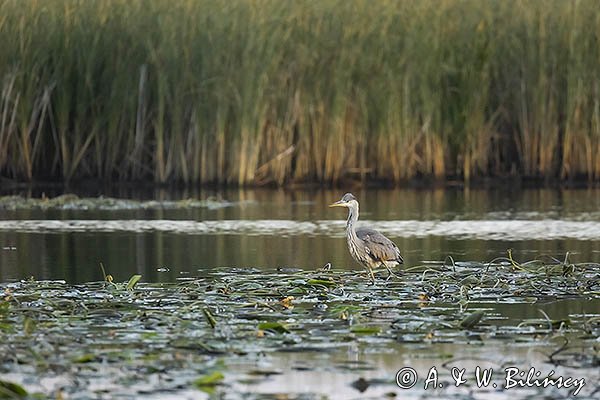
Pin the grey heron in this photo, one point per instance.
(367, 246)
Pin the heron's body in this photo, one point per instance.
(367, 246)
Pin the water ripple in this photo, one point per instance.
(456, 229)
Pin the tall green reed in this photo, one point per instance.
(266, 91)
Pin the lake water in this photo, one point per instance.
(268, 229)
(186, 237)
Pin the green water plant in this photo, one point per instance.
(264, 91)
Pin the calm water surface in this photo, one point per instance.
(276, 228)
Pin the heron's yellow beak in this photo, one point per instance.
(338, 204)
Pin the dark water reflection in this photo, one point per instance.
(165, 256)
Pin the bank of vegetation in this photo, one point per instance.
(259, 91)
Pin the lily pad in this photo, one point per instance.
(365, 330)
(273, 326)
(471, 320)
(207, 382)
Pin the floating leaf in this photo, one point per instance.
(471, 320)
(365, 330)
(207, 382)
(10, 390)
(260, 372)
(273, 326)
(133, 281)
(323, 282)
(297, 291)
(85, 358)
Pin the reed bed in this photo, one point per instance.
(269, 91)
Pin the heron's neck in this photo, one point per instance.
(351, 222)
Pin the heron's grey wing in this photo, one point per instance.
(378, 246)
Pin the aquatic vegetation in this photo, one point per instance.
(73, 202)
(265, 91)
(10, 390)
(151, 338)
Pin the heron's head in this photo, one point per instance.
(348, 200)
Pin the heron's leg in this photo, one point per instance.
(390, 273)
(372, 276)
